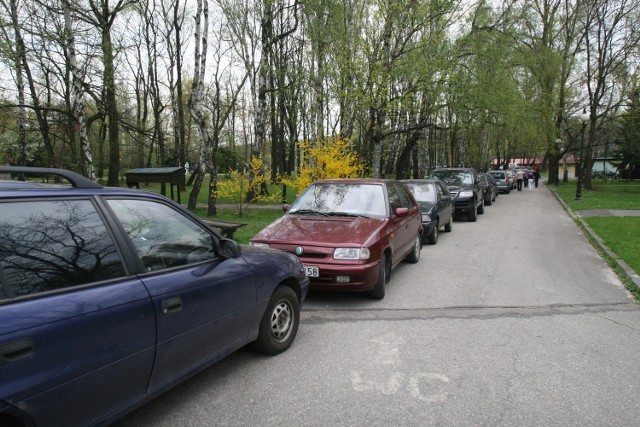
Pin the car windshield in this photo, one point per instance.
(348, 199)
(453, 177)
(498, 175)
(423, 191)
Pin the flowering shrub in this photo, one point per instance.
(237, 185)
(326, 159)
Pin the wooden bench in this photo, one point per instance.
(226, 228)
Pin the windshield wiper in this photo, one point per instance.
(350, 214)
(307, 212)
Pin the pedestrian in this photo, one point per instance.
(531, 177)
(519, 177)
(536, 176)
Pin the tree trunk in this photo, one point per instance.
(77, 97)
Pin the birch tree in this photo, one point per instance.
(77, 94)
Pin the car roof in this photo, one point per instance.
(73, 178)
(355, 181)
(421, 180)
(455, 169)
(75, 185)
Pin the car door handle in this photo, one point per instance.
(171, 305)
(16, 351)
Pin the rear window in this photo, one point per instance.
(51, 245)
(498, 175)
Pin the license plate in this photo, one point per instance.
(312, 271)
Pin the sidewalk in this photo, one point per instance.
(606, 212)
(579, 215)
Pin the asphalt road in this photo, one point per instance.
(512, 320)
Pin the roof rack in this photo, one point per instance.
(74, 178)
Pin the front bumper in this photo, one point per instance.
(362, 277)
(465, 205)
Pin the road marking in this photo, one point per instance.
(425, 386)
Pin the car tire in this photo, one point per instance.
(379, 291)
(449, 226)
(414, 255)
(481, 207)
(488, 202)
(280, 321)
(508, 191)
(432, 238)
(473, 215)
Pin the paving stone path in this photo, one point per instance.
(606, 212)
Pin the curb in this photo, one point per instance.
(630, 272)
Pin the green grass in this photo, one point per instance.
(203, 194)
(621, 235)
(612, 195)
(256, 220)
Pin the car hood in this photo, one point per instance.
(458, 188)
(320, 231)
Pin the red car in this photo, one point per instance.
(349, 233)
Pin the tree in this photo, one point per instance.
(611, 37)
(101, 16)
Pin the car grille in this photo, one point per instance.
(311, 255)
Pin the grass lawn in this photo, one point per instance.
(621, 234)
(612, 195)
(256, 220)
(618, 233)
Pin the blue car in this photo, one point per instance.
(109, 297)
(436, 206)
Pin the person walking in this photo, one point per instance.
(519, 177)
(531, 177)
(536, 176)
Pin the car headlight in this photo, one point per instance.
(259, 244)
(466, 193)
(426, 218)
(351, 253)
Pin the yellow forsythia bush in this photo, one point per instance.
(326, 159)
(237, 185)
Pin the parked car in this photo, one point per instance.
(436, 206)
(111, 296)
(490, 188)
(465, 188)
(503, 180)
(350, 234)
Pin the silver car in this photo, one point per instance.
(504, 181)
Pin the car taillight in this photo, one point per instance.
(506, 179)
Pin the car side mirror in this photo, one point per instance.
(402, 212)
(286, 207)
(229, 248)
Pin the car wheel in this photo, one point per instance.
(448, 226)
(414, 255)
(432, 238)
(508, 191)
(473, 215)
(378, 292)
(488, 202)
(279, 324)
(481, 207)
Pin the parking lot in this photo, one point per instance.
(511, 320)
